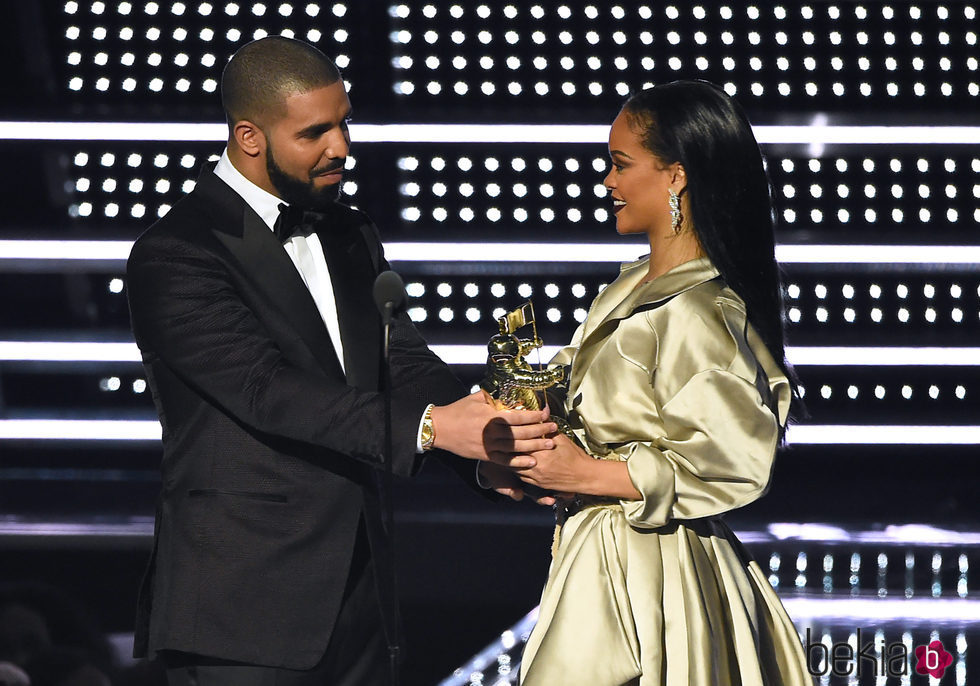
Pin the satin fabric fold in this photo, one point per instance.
(669, 377)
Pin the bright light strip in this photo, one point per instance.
(80, 429)
(550, 252)
(883, 609)
(138, 527)
(484, 133)
(856, 434)
(123, 351)
(893, 534)
(68, 351)
(112, 131)
(805, 434)
(884, 357)
(65, 250)
(514, 252)
(878, 254)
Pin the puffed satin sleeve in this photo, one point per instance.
(717, 452)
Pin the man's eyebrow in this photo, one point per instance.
(320, 127)
(314, 129)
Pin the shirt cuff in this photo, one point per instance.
(480, 482)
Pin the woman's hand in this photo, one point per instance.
(568, 469)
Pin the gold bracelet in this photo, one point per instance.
(428, 429)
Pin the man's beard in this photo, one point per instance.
(297, 192)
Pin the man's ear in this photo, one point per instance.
(249, 137)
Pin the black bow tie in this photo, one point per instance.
(295, 221)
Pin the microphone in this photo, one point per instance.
(389, 294)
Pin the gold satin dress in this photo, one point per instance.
(669, 377)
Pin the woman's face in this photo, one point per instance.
(638, 183)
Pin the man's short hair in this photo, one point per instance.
(262, 74)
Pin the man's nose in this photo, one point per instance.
(338, 144)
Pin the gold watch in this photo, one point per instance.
(428, 430)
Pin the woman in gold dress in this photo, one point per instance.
(678, 394)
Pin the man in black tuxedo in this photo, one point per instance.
(251, 303)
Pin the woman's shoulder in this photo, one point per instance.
(702, 327)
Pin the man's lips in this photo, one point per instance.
(330, 175)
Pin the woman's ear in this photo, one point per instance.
(678, 178)
(249, 137)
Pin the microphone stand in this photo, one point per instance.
(394, 647)
(389, 296)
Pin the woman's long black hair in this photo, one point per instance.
(696, 124)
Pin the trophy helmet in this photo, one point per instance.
(507, 345)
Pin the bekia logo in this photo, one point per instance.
(933, 659)
(842, 659)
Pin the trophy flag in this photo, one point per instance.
(516, 319)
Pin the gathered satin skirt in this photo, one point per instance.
(681, 605)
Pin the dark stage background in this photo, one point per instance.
(479, 149)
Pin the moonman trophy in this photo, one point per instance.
(510, 381)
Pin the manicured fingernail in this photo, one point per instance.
(549, 443)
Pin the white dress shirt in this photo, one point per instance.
(306, 252)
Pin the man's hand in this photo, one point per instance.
(505, 482)
(473, 429)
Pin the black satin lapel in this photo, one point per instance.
(271, 270)
(352, 275)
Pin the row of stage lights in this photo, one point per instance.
(622, 89)
(870, 82)
(114, 384)
(547, 215)
(821, 315)
(432, 36)
(578, 290)
(673, 12)
(131, 36)
(575, 215)
(536, 11)
(855, 563)
(853, 392)
(546, 191)
(818, 311)
(181, 60)
(204, 9)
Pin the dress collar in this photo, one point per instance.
(681, 278)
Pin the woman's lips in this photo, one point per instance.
(618, 205)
